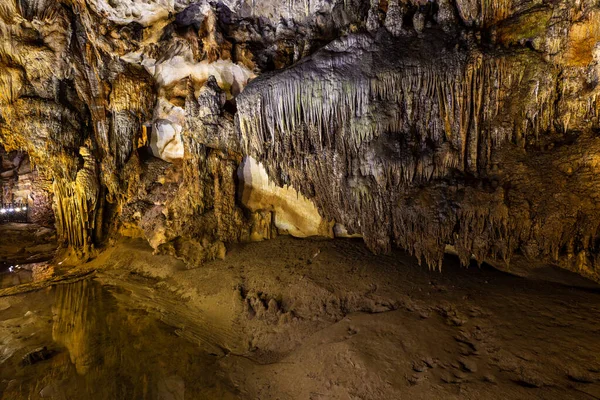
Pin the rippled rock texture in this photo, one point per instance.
(469, 124)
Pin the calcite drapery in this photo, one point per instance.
(76, 204)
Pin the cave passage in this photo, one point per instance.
(300, 199)
(28, 239)
(26, 197)
(16, 174)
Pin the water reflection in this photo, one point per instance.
(102, 348)
(10, 276)
(14, 274)
(82, 313)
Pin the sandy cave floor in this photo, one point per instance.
(296, 319)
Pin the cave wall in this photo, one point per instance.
(423, 124)
(481, 138)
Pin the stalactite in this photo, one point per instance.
(75, 205)
(360, 134)
(485, 12)
(464, 96)
(364, 127)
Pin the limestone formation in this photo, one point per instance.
(421, 124)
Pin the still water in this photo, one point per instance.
(80, 341)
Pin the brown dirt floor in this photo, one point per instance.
(297, 319)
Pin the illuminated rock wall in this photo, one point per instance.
(423, 124)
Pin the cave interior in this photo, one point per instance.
(316, 199)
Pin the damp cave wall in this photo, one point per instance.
(422, 124)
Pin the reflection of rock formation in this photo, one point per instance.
(121, 351)
(79, 323)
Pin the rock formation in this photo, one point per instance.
(426, 124)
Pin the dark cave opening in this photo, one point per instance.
(26, 194)
(26, 219)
